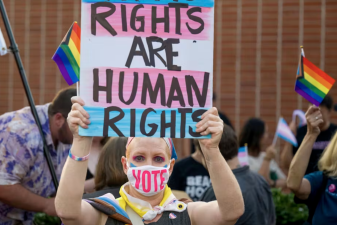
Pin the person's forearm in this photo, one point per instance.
(225, 185)
(69, 195)
(300, 162)
(19, 197)
(265, 170)
(286, 157)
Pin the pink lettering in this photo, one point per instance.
(148, 174)
(137, 178)
(155, 173)
(162, 179)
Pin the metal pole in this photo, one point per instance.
(16, 53)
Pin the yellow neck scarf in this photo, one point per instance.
(145, 210)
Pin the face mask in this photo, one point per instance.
(148, 180)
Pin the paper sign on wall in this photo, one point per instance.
(146, 66)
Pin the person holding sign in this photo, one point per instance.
(146, 199)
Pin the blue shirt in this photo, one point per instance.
(22, 160)
(326, 211)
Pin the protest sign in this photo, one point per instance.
(146, 66)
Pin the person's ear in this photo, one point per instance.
(173, 161)
(59, 120)
(125, 166)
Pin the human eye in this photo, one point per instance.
(138, 158)
(158, 159)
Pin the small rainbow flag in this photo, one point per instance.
(283, 131)
(243, 156)
(312, 83)
(67, 56)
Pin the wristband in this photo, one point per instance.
(76, 158)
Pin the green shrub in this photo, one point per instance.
(44, 219)
(287, 211)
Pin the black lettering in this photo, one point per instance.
(124, 19)
(101, 17)
(165, 19)
(170, 54)
(175, 87)
(133, 123)
(111, 122)
(137, 41)
(107, 88)
(134, 88)
(178, 6)
(190, 83)
(183, 112)
(154, 52)
(152, 125)
(196, 19)
(135, 18)
(153, 93)
(171, 125)
(195, 118)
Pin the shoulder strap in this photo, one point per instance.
(318, 197)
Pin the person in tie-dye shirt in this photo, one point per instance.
(25, 179)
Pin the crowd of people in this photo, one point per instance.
(125, 180)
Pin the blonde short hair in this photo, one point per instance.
(328, 161)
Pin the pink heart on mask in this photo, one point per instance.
(332, 188)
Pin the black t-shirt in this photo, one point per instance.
(259, 206)
(190, 176)
(320, 144)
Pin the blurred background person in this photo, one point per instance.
(259, 206)
(327, 130)
(109, 172)
(317, 189)
(97, 145)
(190, 175)
(25, 179)
(254, 134)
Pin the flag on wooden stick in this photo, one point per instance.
(67, 56)
(312, 83)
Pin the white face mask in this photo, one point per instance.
(148, 180)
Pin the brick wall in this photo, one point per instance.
(256, 54)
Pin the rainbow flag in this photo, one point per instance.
(283, 131)
(243, 156)
(67, 56)
(312, 83)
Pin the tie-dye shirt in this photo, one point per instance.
(22, 160)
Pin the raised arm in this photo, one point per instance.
(265, 166)
(69, 205)
(229, 205)
(299, 185)
(265, 169)
(287, 152)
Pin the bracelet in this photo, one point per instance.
(76, 158)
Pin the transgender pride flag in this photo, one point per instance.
(283, 131)
(243, 156)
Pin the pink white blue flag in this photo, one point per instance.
(283, 131)
(301, 116)
(243, 156)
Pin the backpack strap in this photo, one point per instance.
(317, 198)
